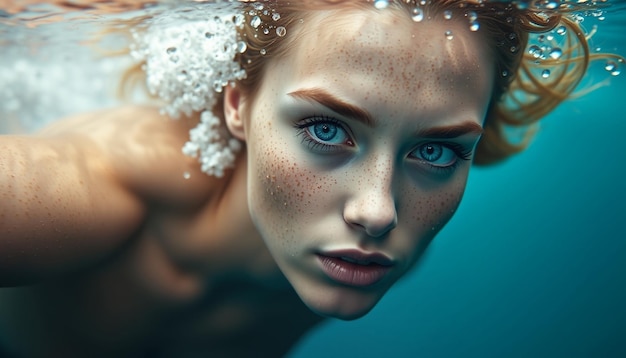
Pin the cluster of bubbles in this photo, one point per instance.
(257, 13)
(418, 15)
(544, 49)
(188, 58)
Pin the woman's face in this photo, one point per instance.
(359, 145)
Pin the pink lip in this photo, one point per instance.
(355, 268)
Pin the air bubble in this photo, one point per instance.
(263, 52)
(447, 14)
(266, 31)
(556, 53)
(238, 20)
(275, 16)
(449, 35)
(171, 50)
(612, 68)
(417, 14)
(474, 26)
(561, 30)
(255, 22)
(551, 4)
(472, 16)
(217, 86)
(281, 31)
(242, 46)
(535, 51)
(545, 73)
(381, 4)
(208, 35)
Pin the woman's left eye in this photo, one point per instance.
(440, 155)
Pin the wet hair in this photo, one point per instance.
(523, 93)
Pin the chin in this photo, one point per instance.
(343, 303)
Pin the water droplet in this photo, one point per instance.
(171, 50)
(556, 53)
(561, 30)
(505, 73)
(258, 6)
(263, 51)
(186, 175)
(381, 4)
(472, 16)
(545, 73)
(541, 38)
(449, 35)
(417, 14)
(447, 14)
(255, 22)
(275, 16)
(474, 26)
(281, 31)
(513, 49)
(266, 31)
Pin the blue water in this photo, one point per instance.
(534, 262)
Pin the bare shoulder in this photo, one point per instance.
(144, 148)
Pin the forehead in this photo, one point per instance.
(386, 49)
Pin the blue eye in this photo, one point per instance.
(323, 134)
(328, 133)
(440, 155)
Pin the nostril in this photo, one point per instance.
(375, 221)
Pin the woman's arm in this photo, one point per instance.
(62, 204)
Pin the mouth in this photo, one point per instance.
(355, 268)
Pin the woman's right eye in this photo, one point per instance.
(324, 134)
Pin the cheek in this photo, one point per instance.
(425, 214)
(286, 194)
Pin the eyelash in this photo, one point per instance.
(311, 142)
(461, 152)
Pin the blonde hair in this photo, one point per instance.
(522, 94)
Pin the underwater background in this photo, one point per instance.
(532, 265)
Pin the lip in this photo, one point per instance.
(355, 268)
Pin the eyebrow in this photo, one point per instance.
(333, 103)
(346, 109)
(453, 131)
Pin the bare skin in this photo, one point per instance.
(167, 283)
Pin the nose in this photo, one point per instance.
(371, 206)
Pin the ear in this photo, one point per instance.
(233, 110)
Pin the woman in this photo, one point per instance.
(334, 158)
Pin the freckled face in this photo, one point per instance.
(359, 145)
